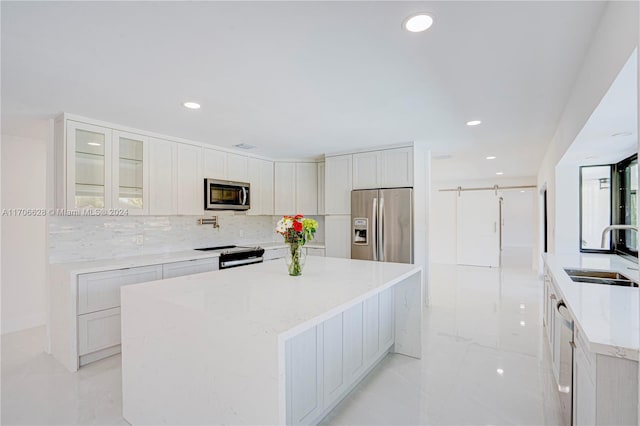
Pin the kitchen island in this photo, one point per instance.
(253, 345)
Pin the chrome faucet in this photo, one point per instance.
(612, 227)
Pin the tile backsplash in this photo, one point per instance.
(76, 238)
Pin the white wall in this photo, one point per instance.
(613, 43)
(567, 204)
(23, 238)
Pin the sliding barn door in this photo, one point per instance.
(478, 228)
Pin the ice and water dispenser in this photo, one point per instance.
(360, 231)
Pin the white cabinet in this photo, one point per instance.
(98, 309)
(337, 236)
(163, 177)
(334, 378)
(101, 290)
(189, 267)
(315, 251)
(272, 254)
(396, 168)
(130, 174)
(386, 326)
(225, 165)
(321, 169)
(388, 168)
(214, 164)
(237, 168)
(88, 166)
(304, 376)
(366, 170)
(307, 189)
(327, 361)
(190, 181)
(371, 329)
(338, 184)
(261, 180)
(584, 388)
(284, 179)
(353, 342)
(295, 188)
(98, 331)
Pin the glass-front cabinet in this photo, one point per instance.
(88, 166)
(130, 173)
(106, 169)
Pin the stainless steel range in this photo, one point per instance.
(232, 256)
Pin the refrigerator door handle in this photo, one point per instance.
(381, 229)
(374, 229)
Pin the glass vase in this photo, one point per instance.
(296, 256)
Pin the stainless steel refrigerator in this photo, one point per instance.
(382, 225)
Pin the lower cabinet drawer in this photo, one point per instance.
(98, 330)
(275, 253)
(101, 290)
(312, 251)
(189, 267)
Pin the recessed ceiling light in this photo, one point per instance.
(418, 23)
(491, 157)
(499, 173)
(522, 190)
(621, 134)
(500, 371)
(93, 143)
(522, 323)
(191, 105)
(473, 122)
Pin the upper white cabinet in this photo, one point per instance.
(163, 177)
(284, 178)
(215, 164)
(295, 188)
(261, 180)
(366, 170)
(190, 181)
(338, 184)
(321, 168)
(307, 188)
(130, 173)
(237, 168)
(225, 165)
(88, 167)
(388, 168)
(396, 167)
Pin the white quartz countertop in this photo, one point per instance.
(99, 265)
(263, 298)
(607, 315)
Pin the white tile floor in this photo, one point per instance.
(484, 363)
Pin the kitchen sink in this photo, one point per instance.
(596, 274)
(600, 277)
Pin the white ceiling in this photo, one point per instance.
(616, 113)
(304, 78)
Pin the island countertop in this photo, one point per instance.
(211, 348)
(265, 296)
(607, 315)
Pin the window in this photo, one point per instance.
(595, 205)
(626, 241)
(608, 195)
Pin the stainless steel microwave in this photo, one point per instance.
(226, 195)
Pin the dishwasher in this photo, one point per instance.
(565, 345)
